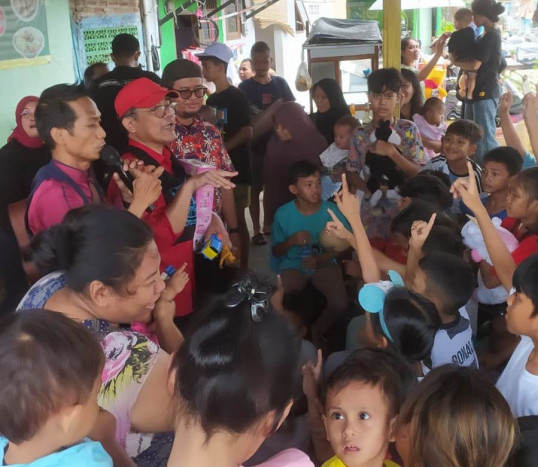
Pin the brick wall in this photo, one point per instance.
(81, 9)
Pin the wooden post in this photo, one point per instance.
(392, 37)
(391, 33)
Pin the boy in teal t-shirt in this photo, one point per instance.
(297, 254)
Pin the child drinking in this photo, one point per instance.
(334, 158)
(461, 45)
(455, 418)
(362, 399)
(431, 123)
(50, 368)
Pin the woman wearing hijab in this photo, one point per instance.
(20, 159)
(331, 106)
(295, 138)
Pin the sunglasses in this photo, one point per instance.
(187, 93)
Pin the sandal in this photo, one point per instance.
(259, 239)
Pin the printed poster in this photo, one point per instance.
(23, 33)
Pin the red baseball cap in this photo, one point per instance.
(140, 93)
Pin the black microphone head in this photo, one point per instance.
(110, 156)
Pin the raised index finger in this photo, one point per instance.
(472, 179)
(345, 188)
(333, 215)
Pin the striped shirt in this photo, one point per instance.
(440, 164)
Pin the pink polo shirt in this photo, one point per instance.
(53, 199)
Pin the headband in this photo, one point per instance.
(372, 298)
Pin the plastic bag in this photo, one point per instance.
(303, 81)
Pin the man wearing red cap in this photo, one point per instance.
(68, 122)
(146, 112)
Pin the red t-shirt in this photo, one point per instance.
(175, 248)
(528, 244)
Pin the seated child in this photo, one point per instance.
(296, 251)
(50, 368)
(498, 168)
(455, 417)
(361, 400)
(431, 123)
(461, 45)
(458, 144)
(334, 158)
(519, 381)
(448, 282)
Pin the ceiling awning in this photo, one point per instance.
(417, 4)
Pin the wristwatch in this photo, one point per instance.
(235, 230)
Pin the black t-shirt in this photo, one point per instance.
(18, 166)
(462, 44)
(261, 96)
(233, 114)
(488, 51)
(104, 94)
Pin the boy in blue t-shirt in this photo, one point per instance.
(297, 254)
(50, 373)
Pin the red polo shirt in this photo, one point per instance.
(172, 251)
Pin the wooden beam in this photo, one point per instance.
(391, 33)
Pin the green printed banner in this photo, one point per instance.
(23, 33)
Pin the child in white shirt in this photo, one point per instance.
(334, 158)
(519, 380)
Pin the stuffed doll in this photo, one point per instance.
(385, 132)
(472, 237)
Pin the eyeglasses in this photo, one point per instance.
(27, 113)
(187, 93)
(159, 110)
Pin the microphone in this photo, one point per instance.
(112, 159)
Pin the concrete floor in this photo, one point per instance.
(259, 254)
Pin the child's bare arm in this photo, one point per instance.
(509, 130)
(530, 115)
(502, 260)
(104, 431)
(349, 205)
(419, 233)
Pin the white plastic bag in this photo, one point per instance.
(303, 81)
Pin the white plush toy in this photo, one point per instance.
(472, 237)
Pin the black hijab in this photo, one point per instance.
(325, 121)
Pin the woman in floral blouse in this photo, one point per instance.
(105, 274)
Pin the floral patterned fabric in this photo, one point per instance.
(202, 141)
(411, 146)
(129, 357)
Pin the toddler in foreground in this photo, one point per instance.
(50, 368)
(362, 399)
